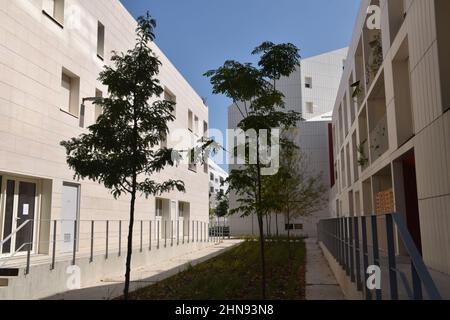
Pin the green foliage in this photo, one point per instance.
(123, 143)
(232, 276)
(253, 91)
(122, 150)
(362, 158)
(222, 204)
(376, 57)
(357, 91)
(295, 190)
(277, 60)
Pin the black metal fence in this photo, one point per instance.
(383, 241)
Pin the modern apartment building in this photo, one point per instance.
(392, 140)
(310, 90)
(51, 53)
(320, 78)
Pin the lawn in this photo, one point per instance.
(236, 275)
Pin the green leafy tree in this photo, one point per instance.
(295, 190)
(253, 92)
(222, 204)
(122, 150)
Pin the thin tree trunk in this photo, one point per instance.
(276, 222)
(130, 242)
(289, 231)
(260, 222)
(262, 253)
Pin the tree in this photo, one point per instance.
(253, 92)
(295, 190)
(123, 150)
(222, 205)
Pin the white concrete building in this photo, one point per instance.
(392, 145)
(320, 76)
(310, 90)
(51, 53)
(313, 140)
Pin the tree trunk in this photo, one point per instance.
(262, 253)
(261, 223)
(276, 222)
(129, 244)
(289, 231)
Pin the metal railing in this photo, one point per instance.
(358, 242)
(71, 239)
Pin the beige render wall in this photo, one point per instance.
(431, 127)
(33, 51)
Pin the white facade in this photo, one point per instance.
(312, 139)
(321, 76)
(400, 122)
(51, 53)
(314, 84)
(311, 89)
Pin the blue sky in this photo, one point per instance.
(198, 35)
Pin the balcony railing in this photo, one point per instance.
(71, 239)
(358, 242)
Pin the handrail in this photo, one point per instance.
(12, 255)
(178, 232)
(13, 233)
(341, 236)
(416, 259)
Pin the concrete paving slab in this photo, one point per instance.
(320, 281)
(111, 288)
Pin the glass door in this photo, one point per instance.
(17, 206)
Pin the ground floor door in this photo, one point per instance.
(411, 199)
(18, 214)
(69, 216)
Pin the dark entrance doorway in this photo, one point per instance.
(411, 199)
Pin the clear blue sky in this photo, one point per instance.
(198, 35)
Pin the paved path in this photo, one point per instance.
(320, 281)
(112, 288)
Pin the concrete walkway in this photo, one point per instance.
(112, 288)
(320, 281)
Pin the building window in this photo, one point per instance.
(100, 40)
(181, 209)
(169, 96)
(310, 107)
(159, 207)
(294, 226)
(211, 176)
(190, 121)
(54, 9)
(192, 164)
(196, 125)
(211, 189)
(308, 83)
(205, 129)
(98, 108)
(222, 180)
(70, 93)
